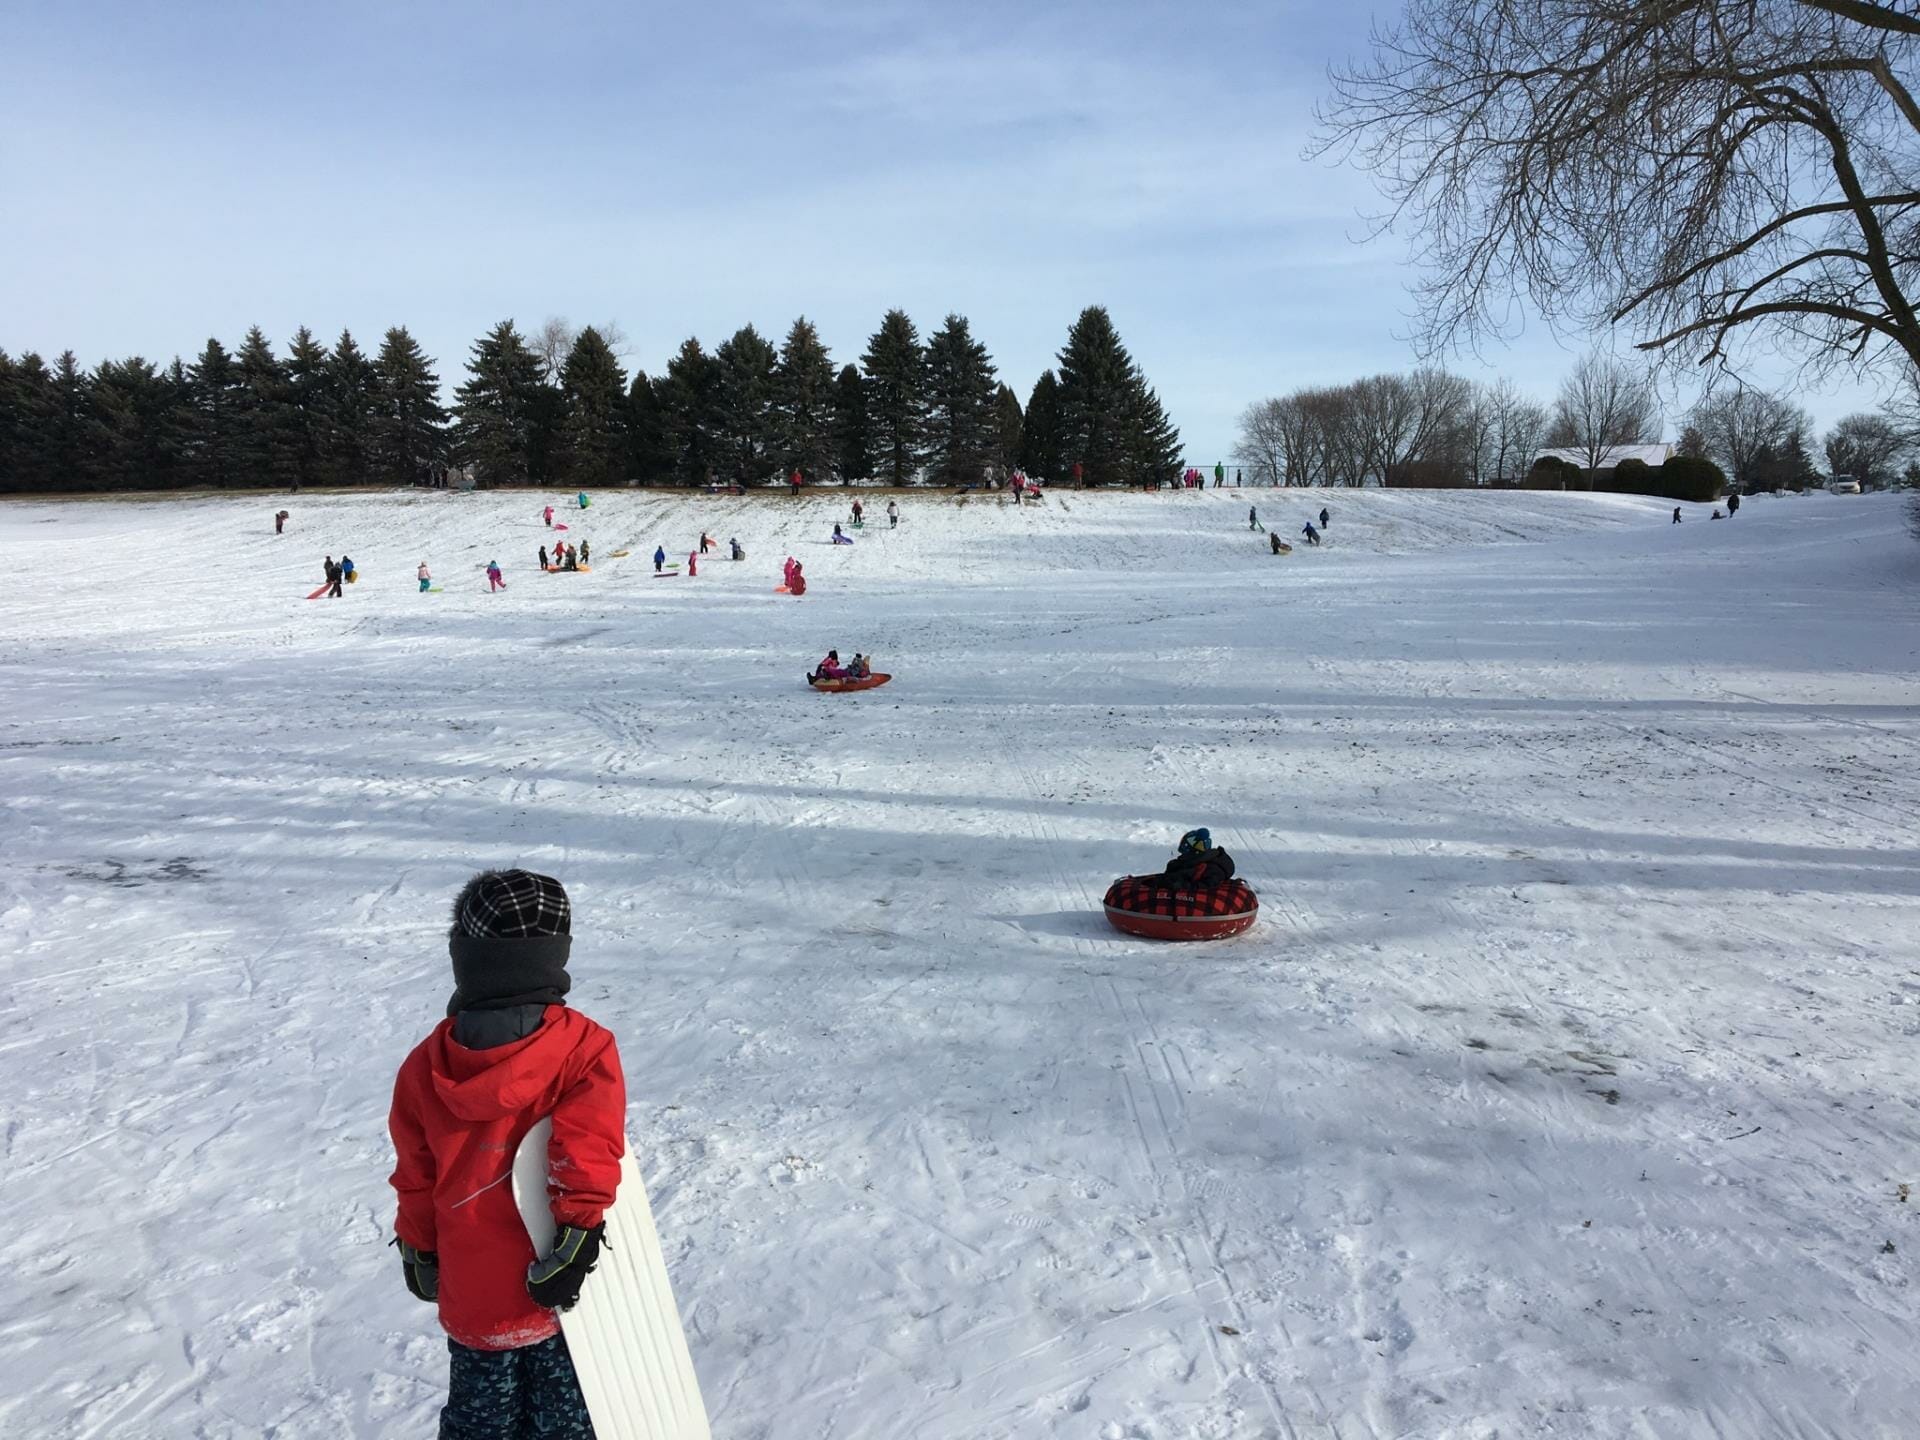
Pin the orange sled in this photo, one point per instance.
(865, 682)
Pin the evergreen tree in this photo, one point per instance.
(547, 412)
(646, 445)
(1040, 431)
(407, 432)
(852, 445)
(1151, 447)
(688, 423)
(596, 444)
(1110, 419)
(1796, 468)
(311, 422)
(213, 446)
(743, 395)
(498, 409)
(1096, 393)
(134, 406)
(75, 438)
(30, 409)
(895, 366)
(959, 411)
(352, 399)
(264, 436)
(176, 423)
(12, 452)
(1008, 429)
(803, 403)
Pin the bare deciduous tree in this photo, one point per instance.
(551, 344)
(616, 337)
(1603, 403)
(1408, 417)
(1262, 446)
(1359, 433)
(1746, 429)
(1515, 425)
(1867, 447)
(1687, 167)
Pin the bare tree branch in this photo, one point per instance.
(1695, 168)
(1879, 17)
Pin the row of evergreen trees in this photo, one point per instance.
(317, 417)
(747, 413)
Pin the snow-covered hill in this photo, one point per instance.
(1565, 1087)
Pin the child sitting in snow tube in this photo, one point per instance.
(1195, 898)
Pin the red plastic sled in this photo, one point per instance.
(864, 683)
(1135, 904)
(321, 591)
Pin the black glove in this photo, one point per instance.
(554, 1279)
(422, 1269)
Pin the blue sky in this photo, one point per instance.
(171, 172)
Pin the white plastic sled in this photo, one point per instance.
(628, 1347)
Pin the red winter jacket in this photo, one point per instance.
(458, 1117)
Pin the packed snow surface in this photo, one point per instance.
(1565, 1087)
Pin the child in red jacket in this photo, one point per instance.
(509, 1053)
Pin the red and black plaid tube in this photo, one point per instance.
(1147, 895)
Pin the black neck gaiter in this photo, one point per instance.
(493, 974)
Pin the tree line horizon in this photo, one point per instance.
(556, 407)
(1431, 429)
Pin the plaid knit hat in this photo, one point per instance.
(511, 936)
(512, 905)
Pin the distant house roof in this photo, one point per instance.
(1657, 454)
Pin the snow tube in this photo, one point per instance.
(866, 682)
(1146, 905)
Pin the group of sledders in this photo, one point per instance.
(859, 668)
(567, 557)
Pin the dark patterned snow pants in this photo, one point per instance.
(526, 1394)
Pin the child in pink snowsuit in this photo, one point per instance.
(693, 563)
(547, 515)
(494, 582)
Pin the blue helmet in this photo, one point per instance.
(1196, 842)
